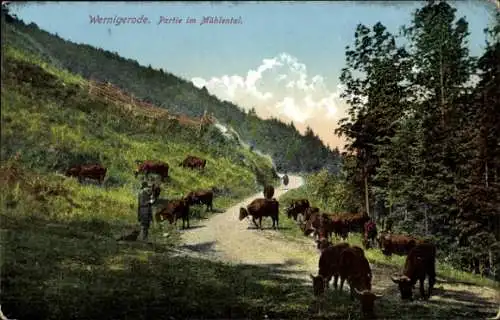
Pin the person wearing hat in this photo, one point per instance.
(145, 210)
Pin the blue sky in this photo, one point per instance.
(311, 35)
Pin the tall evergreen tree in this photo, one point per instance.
(373, 79)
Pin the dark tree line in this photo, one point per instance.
(424, 133)
(290, 150)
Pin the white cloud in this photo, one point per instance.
(281, 87)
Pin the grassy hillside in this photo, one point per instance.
(281, 141)
(53, 226)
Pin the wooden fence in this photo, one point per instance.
(115, 95)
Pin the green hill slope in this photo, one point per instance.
(51, 123)
(281, 141)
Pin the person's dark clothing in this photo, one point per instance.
(145, 211)
(285, 180)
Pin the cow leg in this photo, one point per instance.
(342, 279)
(328, 279)
(351, 289)
(336, 281)
(432, 281)
(260, 223)
(255, 222)
(422, 291)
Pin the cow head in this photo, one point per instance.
(319, 285)
(190, 198)
(366, 243)
(243, 213)
(366, 299)
(308, 230)
(405, 287)
(322, 244)
(72, 171)
(290, 210)
(160, 216)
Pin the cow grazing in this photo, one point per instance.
(259, 208)
(325, 224)
(201, 197)
(370, 234)
(193, 162)
(356, 221)
(397, 244)
(297, 207)
(90, 171)
(354, 267)
(309, 212)
(340, 228)
(268, 191)
(152, 166)
(420, 262)
(328, 267)
(174, 210)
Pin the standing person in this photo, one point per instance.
(145, 209)
(285, 180)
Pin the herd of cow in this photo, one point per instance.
(346, 261)
(336, 260)
(171, 210)
(96, 171)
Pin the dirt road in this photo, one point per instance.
(223, 237)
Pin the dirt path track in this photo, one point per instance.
(224, 237)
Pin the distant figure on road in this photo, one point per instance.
(285, 181)
(144, 209)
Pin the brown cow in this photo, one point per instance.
(370, 234)
(355, 221)
(340, 228)
(193, 162)
(354, 267)
(420, 262)
(268, 191)
(201, 197)
(397, 244)
(297, 207)
(309, 212)
(259, 208)
(174, 210)
(328, 267)
(90, 171)
(152, 166)
(325, 224)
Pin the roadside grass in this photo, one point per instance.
(61, 263)
(292, 231)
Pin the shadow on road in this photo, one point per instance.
(204, 247)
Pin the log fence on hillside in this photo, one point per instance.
(115, 95)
